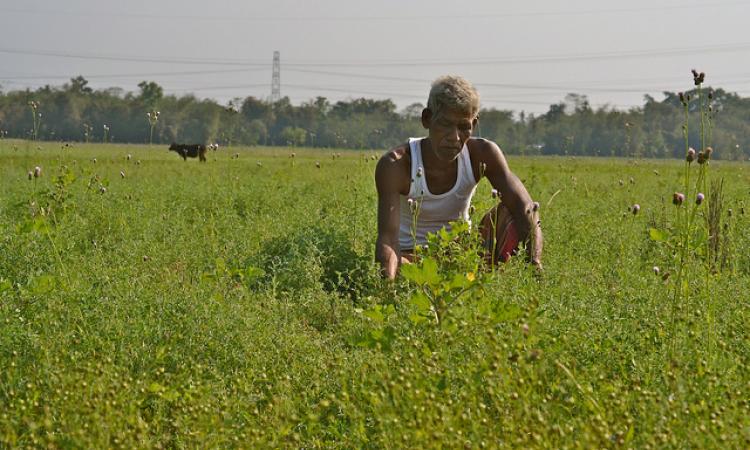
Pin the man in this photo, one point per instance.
(439, 173)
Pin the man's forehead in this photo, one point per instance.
(456, 115)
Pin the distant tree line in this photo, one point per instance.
(76, 112)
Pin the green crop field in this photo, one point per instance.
(147, 302)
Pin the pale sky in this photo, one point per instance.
(520, 55)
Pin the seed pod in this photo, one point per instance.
(635, 209)
(31, 175)
(707, 152)
(37, 172)
(701, 157)
(656, 270)
(699, 198)
(690, 155)
(678, 198)
(412, 205)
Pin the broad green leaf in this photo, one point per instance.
(460, 281)
(657, 235)
(416, 318)
(375, 314)
(41, 225)
(171, 395)
(42, 284)
(425, 273)
(420, 300)
(221, 266)
(252, 273)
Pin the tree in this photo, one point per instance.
(150, 94)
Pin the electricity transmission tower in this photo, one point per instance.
(276, 78)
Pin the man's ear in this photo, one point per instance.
(426, 118)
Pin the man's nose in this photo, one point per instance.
(454, 135)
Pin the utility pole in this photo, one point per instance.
(276, 78)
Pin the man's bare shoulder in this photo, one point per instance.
(394, 168)
(396, 155)
(483, 148)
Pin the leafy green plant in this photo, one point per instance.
(446, 273)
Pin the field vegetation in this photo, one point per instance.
(147, 302)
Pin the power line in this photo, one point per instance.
(135, 75)
(627, 54)
(372, 18)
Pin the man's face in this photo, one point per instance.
(449, 131)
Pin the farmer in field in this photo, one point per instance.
(439, 173)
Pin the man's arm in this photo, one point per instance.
(388, 174)
(516, 198)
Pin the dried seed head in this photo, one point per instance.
(682, 98)
(635, 209)
(317, 164)
(678, 198)
(37, 172)
(93, 160)
(412, 205)
(259, 164)
(102, 189)
(690, 155)
(129, 156)
(122, 174)
(701, 157)
(699, 198)
(707, 152)
(31, 175)
(656, 270)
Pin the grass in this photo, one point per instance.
(231, 304)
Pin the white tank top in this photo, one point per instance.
(435, 210)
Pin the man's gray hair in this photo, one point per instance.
(450, 91)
